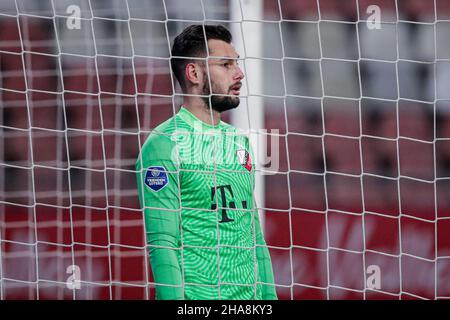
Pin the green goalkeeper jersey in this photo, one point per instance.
(196, 186)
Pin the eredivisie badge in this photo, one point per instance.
(156, 178)
(244, 159)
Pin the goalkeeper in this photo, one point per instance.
(196, 180)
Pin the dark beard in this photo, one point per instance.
(220, 103)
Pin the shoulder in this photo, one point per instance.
(162, 141)
(160, 137)
(158, 144)
(165, 133)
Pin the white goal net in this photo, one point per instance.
(355, 95)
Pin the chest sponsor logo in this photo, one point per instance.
(221, 192)
(244, 159)
(156, 178)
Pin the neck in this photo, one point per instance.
(201, 110)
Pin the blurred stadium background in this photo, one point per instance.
(364, 176)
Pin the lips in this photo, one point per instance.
(236, 89)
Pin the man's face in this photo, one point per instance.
(225, 75)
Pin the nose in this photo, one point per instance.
(239, 75)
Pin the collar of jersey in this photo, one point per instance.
(191, 119)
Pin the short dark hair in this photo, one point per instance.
(191, 43)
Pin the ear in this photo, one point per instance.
(193, 73)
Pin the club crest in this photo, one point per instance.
(244, 159)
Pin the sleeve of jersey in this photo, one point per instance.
(159, 196)
(265, 272)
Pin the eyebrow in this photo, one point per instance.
(226, 58)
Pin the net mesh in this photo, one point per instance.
(361, 109)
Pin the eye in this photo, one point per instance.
(226, 64)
